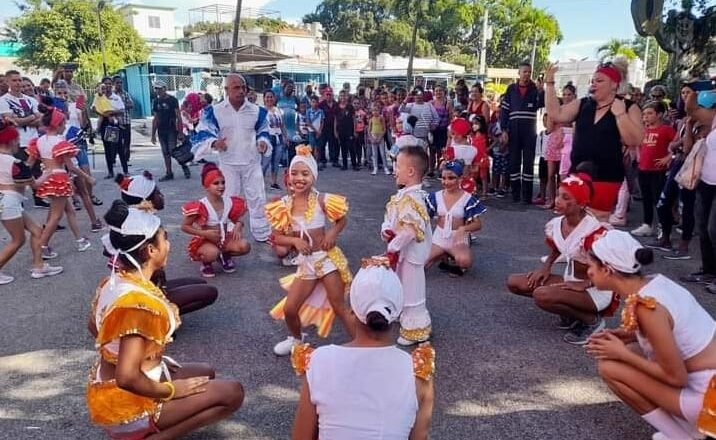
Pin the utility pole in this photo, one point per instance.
(534, 53)
(328, 55)
(483, 46)
(646, 58)
(235, 39)
(101, 5)
(413, 41)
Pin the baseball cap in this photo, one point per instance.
(376, 288)
(159, 84)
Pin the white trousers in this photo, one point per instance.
(250, 179)
(622, 201)
(415, 319)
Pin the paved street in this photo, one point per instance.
(503, 370)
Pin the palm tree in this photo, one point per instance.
(616, 47)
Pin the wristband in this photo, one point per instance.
(172, 392)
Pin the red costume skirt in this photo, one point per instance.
(196, 242)
(605, 195)
(59, 184)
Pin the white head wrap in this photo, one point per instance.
(376, 288)
(138, 222)
(617, 249)
(140, 186)
(304, 156)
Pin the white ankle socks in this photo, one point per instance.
(666, 424)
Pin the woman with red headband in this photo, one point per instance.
(571, 296)
(57, 156)
(604, 121)
(13, 179)
(215, 222)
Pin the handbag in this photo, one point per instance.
(182, 152)
(111, 134)
(690, 173)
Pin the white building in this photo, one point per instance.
(153, 23)
(580, 72)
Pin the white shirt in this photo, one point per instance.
(363, 393)
(74, 115)
(465, 152)
(242, 128)
(405, 213)
(708, 172)
(20, 107)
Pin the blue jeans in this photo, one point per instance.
(276, 154)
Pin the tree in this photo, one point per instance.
(51, 32)
(656, 53)
(616, 47)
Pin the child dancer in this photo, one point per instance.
(215, 222)
(571, 296)
(12, 214)
(481, 168)
(316, 292)
(376, 135)
(458, 215)
(56, 155)
(406, 229)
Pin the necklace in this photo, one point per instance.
(602, 107)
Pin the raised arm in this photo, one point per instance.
(564, 114)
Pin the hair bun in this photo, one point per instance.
(377, 322)
(644, 256)
(117, 213)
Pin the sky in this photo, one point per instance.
(578, 19)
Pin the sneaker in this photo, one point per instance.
(698, 277)
(501, 194)
(76, 204)
(660, 245)
(580, 333)
(407, 342)
(227, 263)
(677, 254)
(566, 323)
(643, 231)
(374, 172)
(284, 347)
(387, 171)
(6, 279)
(96, 226)
(82, 244)
(207, 270)
(41, 203)
(289, 261)
(96, 201)
(45, 271)
(615, 220)
(491, 192)
(187, 171)
(48, 253)
(275, 187)
(166, 178)
(60, 227)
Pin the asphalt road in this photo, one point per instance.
(503, 370)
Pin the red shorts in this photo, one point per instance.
(605, 196)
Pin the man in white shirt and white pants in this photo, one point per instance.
(238, 131)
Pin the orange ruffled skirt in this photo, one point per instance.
(316, 310)
(59, 184)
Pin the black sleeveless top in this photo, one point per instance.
(598, 143)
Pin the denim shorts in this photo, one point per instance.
(82, 157)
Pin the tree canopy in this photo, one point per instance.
(51, 32)
(450, 29)
(616, 47)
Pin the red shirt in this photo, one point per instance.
(479, 141)
(655, 146)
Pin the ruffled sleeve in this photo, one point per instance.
(424, 361)
(238, 209)
(64, 149)
(589, 240)
(336, 206)
(196, 209)
(301, 357)
(473, 209)
(32, 149)
(467, 184)
(135, 313)
(413, 214)
(278, 215)
(431, 202)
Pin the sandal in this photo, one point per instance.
(96, 201)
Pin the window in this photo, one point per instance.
(154, 22)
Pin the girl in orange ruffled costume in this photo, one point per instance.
(671, 381)
(316, 293)
(57, 156)
(215, 222)
(134, 392)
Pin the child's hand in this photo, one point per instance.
(302, 246)
(329, 240)
(213, 235)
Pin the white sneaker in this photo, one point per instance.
(560, 260)
(82, 244)
(617, 221)
(46, 271)
(284, 347)
(6, 279)
(387, 171)
(289, 261)
(643, 231)
(405, 342)
(374, 172)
